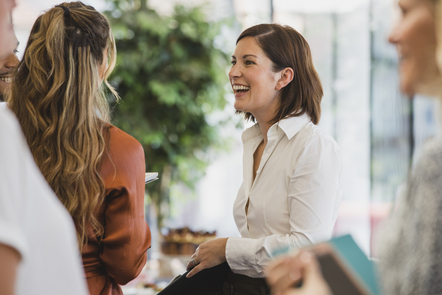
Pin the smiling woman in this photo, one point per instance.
(418, 66)
(7, 66)
(410, 244)
(292, 184)
(7, 58)
(261, 53)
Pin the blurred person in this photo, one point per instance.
(6, 29)
(410, 244)
(292, 183)
(38, 248)
(96, 170)
(7, 65)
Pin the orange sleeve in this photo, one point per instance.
(126, 234)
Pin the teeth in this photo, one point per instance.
(6, 79)
(240, 87)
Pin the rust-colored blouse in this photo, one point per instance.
(121, 254)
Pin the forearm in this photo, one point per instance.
(10, 259)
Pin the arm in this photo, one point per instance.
(126, 234)
(10, 259)
(313, 197)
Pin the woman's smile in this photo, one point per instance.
(240, 90)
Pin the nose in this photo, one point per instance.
(234, 72)
(393, 37)
(11, 61)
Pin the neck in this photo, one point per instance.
(264, 117)
(264, 125)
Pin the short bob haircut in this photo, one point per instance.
(286, 48)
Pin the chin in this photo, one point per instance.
(407, 82)
(238, 107)
(407, 89)
(431, 88)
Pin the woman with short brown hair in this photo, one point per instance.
(292, 185)
(285, 47)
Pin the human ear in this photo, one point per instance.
(286, 78)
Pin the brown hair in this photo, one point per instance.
(57, 97)
(286, 48)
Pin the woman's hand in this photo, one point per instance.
(207, 255)
(285, 273)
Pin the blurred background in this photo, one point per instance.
(173, 60)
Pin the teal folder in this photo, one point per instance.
(357, 262)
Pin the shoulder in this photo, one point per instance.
(121, 141)
(429, 163)
(124, 153)
(117, 134)
(312, 136)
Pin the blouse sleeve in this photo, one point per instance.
(314, 195)
(126, 233)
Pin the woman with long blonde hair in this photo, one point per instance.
(95, 169)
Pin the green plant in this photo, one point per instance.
(170, 77)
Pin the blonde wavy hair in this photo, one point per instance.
(58, 99)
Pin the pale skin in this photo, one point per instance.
(415, 38)
(10, 259)
(7, 65)
(252, 69)
(8, 39)
(286, 272)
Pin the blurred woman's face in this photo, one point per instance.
(6, 67)
(415, 39)
(253, 80)
(7, 36)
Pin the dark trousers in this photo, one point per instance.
(244, 285)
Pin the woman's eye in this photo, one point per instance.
(233, 62)
(248, 62)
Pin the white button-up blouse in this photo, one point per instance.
(294, 200)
